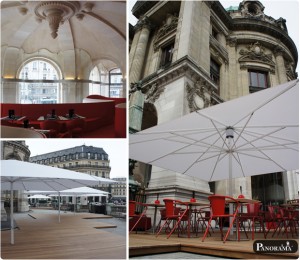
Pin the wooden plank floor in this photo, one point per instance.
(73, 238)
(146, 243)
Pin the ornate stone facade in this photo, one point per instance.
(194, 55)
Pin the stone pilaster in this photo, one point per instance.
(281, 71)
(136, 105)
(138, 49)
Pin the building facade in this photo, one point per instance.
(86, 159)
(14, 150)
(189, 55)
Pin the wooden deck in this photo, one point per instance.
(146, 243)
(42, 237)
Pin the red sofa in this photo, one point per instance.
(117, 100)
(96, 115)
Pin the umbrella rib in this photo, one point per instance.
(198, 159)
(267, 158)
(210, 118)
(261, 137)
(268, 101)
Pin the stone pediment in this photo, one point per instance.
(256, 52)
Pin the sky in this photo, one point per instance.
(117, 150)
(287, 9)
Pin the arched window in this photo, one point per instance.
(115, 81)
(46, 90)
(105, 82)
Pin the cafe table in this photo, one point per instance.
(240, 201)
(155, 206)
(190, 210)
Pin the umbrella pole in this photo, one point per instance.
(229, 136)
(58, 207)
(12, 238)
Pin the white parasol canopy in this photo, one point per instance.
(251, 135)
(19, 175)
(38, 196)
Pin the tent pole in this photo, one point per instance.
(12, 239)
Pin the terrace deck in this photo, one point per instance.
(146, 243)
(43, 237)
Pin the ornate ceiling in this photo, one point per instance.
(97, 27)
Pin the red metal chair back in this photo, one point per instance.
(217, 203)
(253, 209)
(171, 210)
(131, 208)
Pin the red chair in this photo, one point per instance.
(133, 213)
(56, 129)
(162, 218)
(173, 214)
(253, 215)
(285, 219)
(53, 127)
(217, 208)
(76, 127)
(203, 216)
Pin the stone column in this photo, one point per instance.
(138, 49)
(281, 71)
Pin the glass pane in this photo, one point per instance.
(261, 80)
(253, 79)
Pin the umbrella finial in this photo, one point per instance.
(229, 132)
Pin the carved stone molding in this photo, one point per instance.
(231, 41)
(144, 23)
(153, 93)
(169, 26)
(255, 53)
(278, 51)
(290, 70)
(199, 95)
(56, 13)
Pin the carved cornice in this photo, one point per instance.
(18, 147)
(154, 84)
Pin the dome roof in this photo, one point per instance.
(95, 27)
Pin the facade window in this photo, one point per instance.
(215, 72)
(258, 80)
(166, 55)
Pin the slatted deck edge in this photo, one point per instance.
(159, 249)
